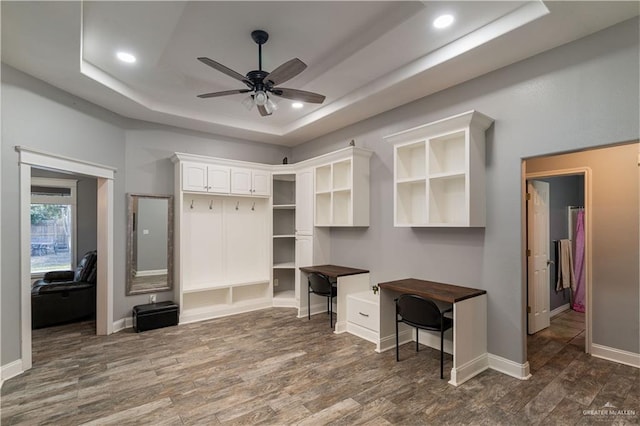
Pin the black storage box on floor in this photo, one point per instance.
(154, 315)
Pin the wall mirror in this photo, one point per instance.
(149, 243)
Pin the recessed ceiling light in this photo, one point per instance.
(297, 105)
(126, 57)
(443, 21)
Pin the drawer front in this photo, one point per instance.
(363, 313)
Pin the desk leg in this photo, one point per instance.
(347, 285)
(469, 339)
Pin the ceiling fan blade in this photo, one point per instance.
(223, 93)
(228, 71)
(263, 111)
(286, 71)
(299, 95)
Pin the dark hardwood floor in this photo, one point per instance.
(269, 367)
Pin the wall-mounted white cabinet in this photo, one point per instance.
(342, 190)
(250, 182)
(439, 172)
(205, 178)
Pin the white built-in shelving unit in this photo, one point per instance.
(439, 172)
(284, 238)
(244, 229)
(342, 191)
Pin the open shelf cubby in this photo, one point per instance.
(342, 175)
(284, 222)
(284, 190)
(341, 207)
(447, 201)
(411, 161)
(411, 203)
(447, 154)
(323, 208)
(323, 178)
(249, 292)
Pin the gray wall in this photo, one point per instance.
(583, 94)
(615, 229)
(39, 116)
(564, 191)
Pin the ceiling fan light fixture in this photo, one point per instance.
(248, 102)
(271, 105)
(260, 98)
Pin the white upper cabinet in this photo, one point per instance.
(250, 182)
(342, 190)
(439, 172)
(205, 178)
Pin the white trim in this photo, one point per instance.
(362, 332)
(615, 355)
(560, 309)
(586, 172)
(35, 157)
(10, 370)
(508, 367)
(122, 324)
(469, 370)
(389, 342)
(104, 298)
(25, 265)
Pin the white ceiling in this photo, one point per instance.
(366, 57)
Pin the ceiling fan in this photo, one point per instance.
(262, 83)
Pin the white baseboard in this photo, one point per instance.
(615, 355)
(389, 342)
(508, 367)
(469, 370)
(362, 332)
(559, 310)
(122, 324)
(10, 370)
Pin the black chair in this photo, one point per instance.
(425, 314)
(322, 286)
(65, 296)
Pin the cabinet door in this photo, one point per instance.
(304, 202)
(240, 181)
(261, 182)
(218, 179)
(194, 177)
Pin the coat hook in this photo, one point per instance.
(191, 204)
(237, 205)
(211, 205)
(253, 207)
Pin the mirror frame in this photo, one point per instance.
(130, 221)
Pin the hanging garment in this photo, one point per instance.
(564, 269)
(578, 290)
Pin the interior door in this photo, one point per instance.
(538, 255)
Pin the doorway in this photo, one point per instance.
(104, 283)
(563, 319)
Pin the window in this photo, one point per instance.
(53, 225)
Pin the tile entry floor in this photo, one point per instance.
(269, 367)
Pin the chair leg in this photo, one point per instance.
(417, 342)
(441, 354)
(397, 344)
(308, 303)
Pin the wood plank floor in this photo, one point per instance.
(269, 367)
